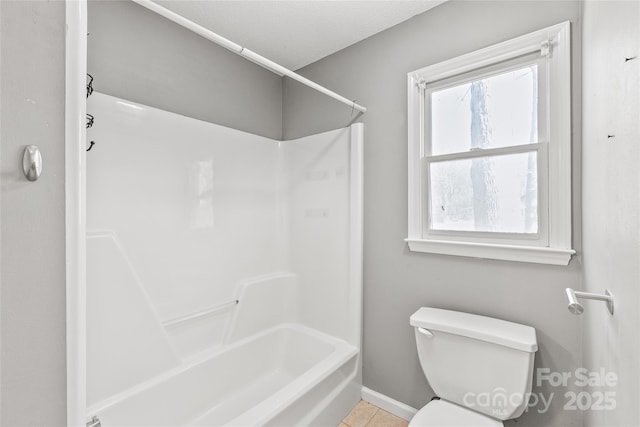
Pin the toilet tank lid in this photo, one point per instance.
(509, 334)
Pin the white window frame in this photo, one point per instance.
(552, 243)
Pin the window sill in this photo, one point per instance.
(531, 254)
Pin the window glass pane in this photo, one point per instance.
(493, 193)
(496, 111)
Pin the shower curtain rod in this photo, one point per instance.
(244, 52)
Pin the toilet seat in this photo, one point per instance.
(440, 413)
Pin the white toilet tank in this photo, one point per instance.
(479, 362)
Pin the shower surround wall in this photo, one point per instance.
(193, 206)
(184, 215)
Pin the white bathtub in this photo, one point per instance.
(286, 375)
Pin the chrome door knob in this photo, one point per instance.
(32, 162)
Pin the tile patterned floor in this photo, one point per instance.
(366, 414)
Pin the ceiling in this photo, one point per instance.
(296, 33)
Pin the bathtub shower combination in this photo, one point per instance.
(224, 272)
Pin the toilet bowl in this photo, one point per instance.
(481, 368)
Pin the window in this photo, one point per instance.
(490, 152)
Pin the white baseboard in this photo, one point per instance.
(398, 409)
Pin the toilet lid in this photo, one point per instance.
(440, 413)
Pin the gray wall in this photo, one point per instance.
(398, 281)
(611, 202)
(138, 55)
(32, 279)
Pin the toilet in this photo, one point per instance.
(480, 368)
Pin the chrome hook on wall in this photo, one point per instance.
(576, 308)
(89, 85)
